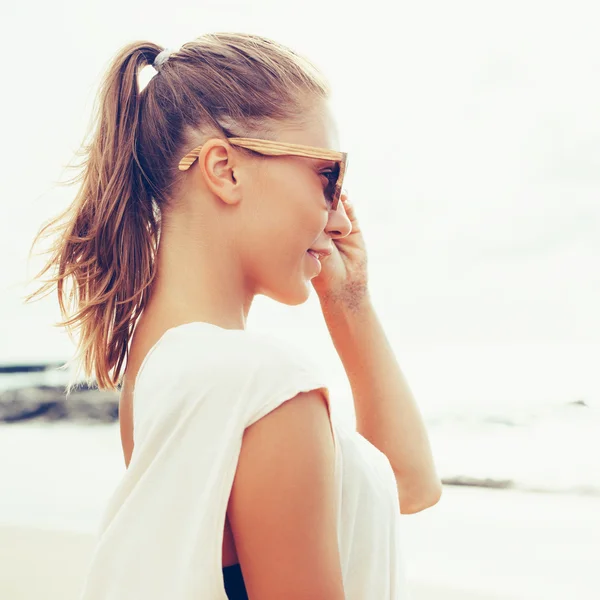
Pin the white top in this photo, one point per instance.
(199, 387)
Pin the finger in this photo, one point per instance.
(348, 206)
(344, 199)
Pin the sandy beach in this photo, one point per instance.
(50, 564)
(476, 544)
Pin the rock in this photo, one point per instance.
(478, 482)
(28, 368)
(579, 403)
(50, 403)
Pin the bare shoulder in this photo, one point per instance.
(282, 508)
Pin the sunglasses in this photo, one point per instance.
(270, 148)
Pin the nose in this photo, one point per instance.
(338, 224)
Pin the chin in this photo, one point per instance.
(291, 299)
(294, 295)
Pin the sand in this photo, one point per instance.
(39, 563)
(474, 545)
(50, 564)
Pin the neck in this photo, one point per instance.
(198, 278)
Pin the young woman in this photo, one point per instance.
(220, 180)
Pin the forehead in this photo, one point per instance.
(319, 129)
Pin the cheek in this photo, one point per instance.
(297, 183)
(292, 208)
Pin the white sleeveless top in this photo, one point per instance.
(199, 387)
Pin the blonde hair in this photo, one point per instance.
(103, 260)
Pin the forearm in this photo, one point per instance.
(386, 412)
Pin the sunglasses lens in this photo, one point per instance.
(330, 190)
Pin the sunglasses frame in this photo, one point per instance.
(271, 148)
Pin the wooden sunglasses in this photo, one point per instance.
(271, 148)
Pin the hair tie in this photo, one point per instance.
(162, 57)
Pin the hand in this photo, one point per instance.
(343, 278)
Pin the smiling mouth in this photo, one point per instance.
(315, 260)
(319, 253)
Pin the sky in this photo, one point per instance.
(473, 130)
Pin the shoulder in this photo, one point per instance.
(279, 371)
(218, 351)
(252, 370)
(270, 349)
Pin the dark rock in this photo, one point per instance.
(28, 368)
(579, 403)
(477, 482)
(50, 403)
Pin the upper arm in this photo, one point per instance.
(282, 508)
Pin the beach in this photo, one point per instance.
(50, 564)
(475, 544)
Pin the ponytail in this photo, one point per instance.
(104, 254)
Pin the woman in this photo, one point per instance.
(218, 181)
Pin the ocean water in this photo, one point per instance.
(62, 473)
(513, 543)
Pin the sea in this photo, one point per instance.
(487, 427)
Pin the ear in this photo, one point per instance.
(217, 163)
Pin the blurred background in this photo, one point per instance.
(473, 130)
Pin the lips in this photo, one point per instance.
(315, 261)
(319, 253)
